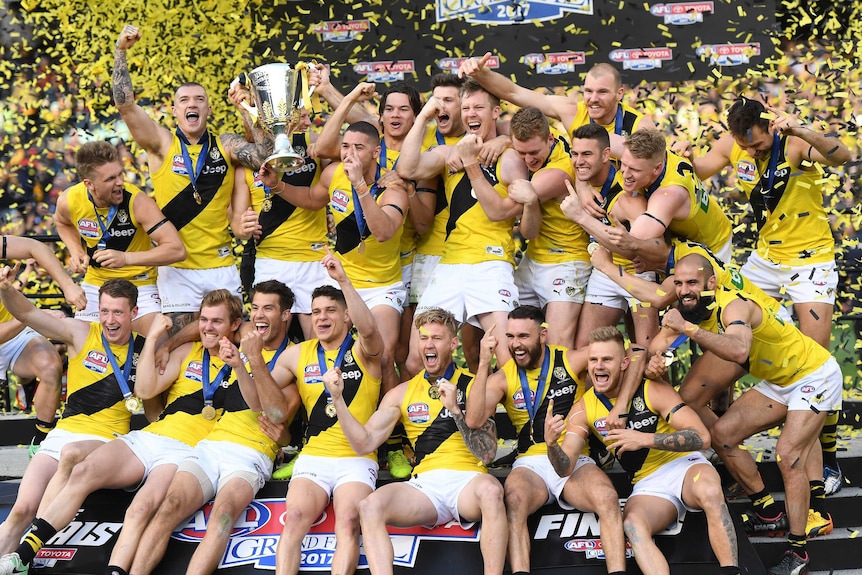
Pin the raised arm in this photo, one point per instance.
(735, 343)
(152, 137)
(68, 330)
(151, 381)
(413, 163)
(495, 206)
(809, 145)
(560, 107)
(487, 389)
(277, 402)
(318, 77)
(328, 144)
(370, 340)
(23, 248)
(385, 215)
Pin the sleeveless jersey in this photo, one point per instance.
(726, 277)
(238, 423)
(642, 417)
(203, 227)
(630, 121)
(706, 222)
(560, 239)
(431, 242)
(379, 265)
(436, 440)
(471, 237)
(5, 316)
(780, 353)
(795, 229)
(288, 233)
(94, 402)
(125, 234)
(182, 419)
(563, 386)
(323, 435)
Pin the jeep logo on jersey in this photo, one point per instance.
(555, 393)
(418, 412)
(352, 374)
(648, 422)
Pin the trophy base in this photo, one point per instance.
(285, 161)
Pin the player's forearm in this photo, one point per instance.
(682, 440)
(121, 81)
(481, 442)
(561, 462)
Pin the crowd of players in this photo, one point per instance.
(423, 201)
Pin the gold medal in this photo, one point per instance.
(133, 404)
(267, 205)
(668, 358)
(330, 410)
(592, 247)
(434, 391)
(197, 197)
(208, 412)
(361, 249)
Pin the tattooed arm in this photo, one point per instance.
(245, 153)
(147, 133)
(481, 441)
(690, 434)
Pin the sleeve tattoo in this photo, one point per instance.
(249, 155)
(561, 462)
(481, 442)
(121, 82)
(682, 440)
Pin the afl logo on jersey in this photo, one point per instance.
(418, 413)
(88, 228)
(178, 165)
(194, 371)
(340, 200)
(518, 399)
(96, 361)
(746, 171)
(601, 425)
(312, 374)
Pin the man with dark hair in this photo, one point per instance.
(235, 460)
(193, 180)
(800, 383)
(659, 448)
(101, 398)
(541, 380)
(109, 227)
(195, 379)
(327, 468)
(368, 202)
(450, 482)
(774, 159)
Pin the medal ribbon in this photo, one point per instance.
(447, 375)
(321, 359)
(533, 405)
(656, 184)
(618, 121)
(278, 351)
(106, 233)
(441, 141)
(209, 387)
(121, 376)
(357, 207)
(773, 164)
(202, 158)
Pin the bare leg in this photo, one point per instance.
(798, 436)
(231, 501)
(562, 319)
(40, 359)
(305, 502)
(345, 502)
(482, 499)
(594, 315)
(393, 504)
(36, 478)
(701, 489)
(525, 493)
(71, 455)
(645, 516)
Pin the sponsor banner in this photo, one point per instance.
(553, 63)
(682, 13)
(642, 58)
(341, 30)
(386, 71)
(452, 64)
(495, 12)
(561, 540)
(728, 54)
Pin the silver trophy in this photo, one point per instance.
(280, 92)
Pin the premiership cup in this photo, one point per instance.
(280, 92)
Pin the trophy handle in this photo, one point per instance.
(252, 110)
